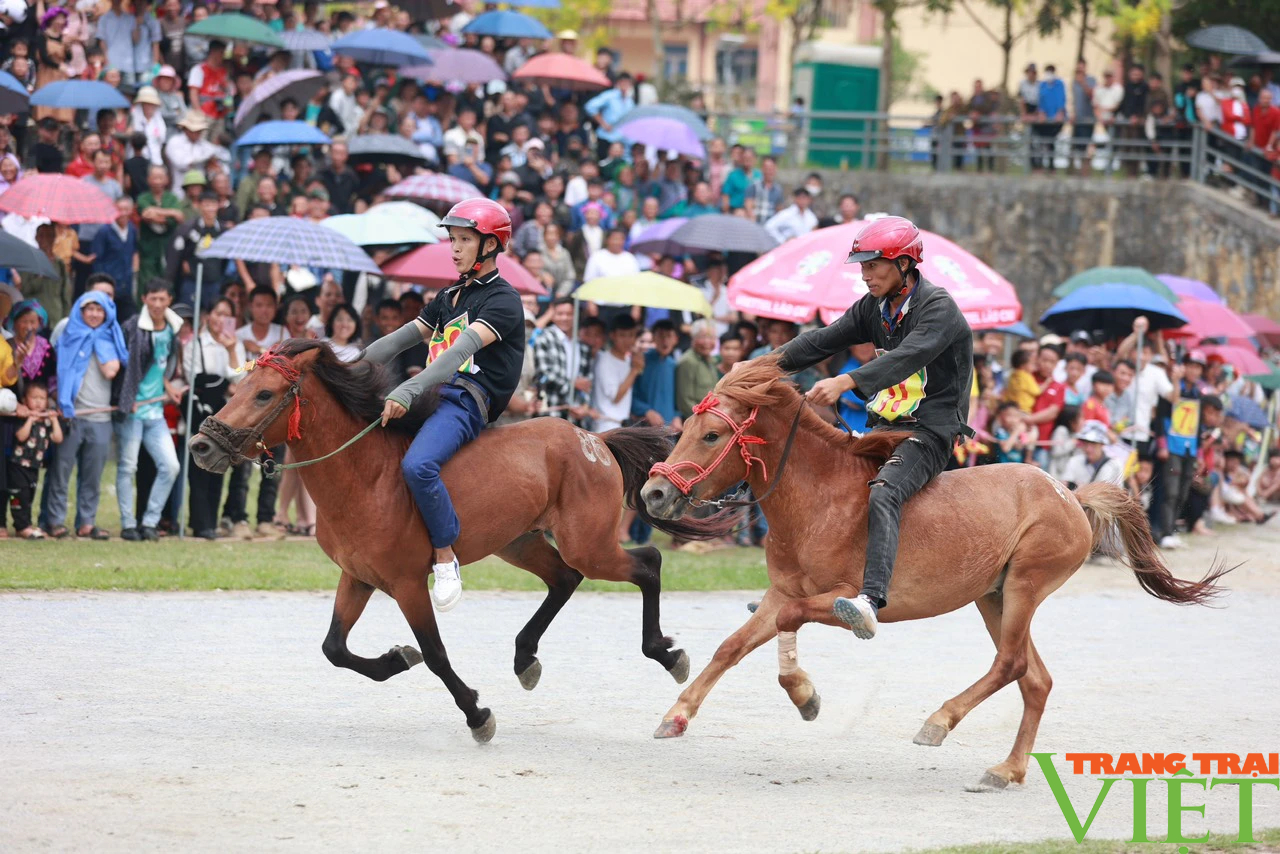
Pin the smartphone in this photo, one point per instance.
(229, 326)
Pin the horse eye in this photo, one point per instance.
(711, 437)
(264, 396)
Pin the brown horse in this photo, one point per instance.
(1003, 537)
(511, 487)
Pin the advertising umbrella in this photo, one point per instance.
(456, 65)
(1210, 320)
(656, 239)
(669, 111)
(723, 233)
(1193, 288)
(1225, 38)
(1264, 327)
(381, 46)
(283, 133)
(1111, 308)
(233, 26)
(19, 255)
(651, 290)
(58, 198)
(1116, 276)
(13, 95)
(434, 187)
(563, 71)
(503, 24)
(304, 40)
(384, 148)
(433, 265)
(79, 95)
(300, 85)
(289, 240)
(1246, 361)
(373, 228)
(665, 135)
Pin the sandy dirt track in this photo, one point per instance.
(211, 722)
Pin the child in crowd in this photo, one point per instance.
(1235, 484)
(1016, 441)
(1022, 388)
(1062, 443)
(40, 429)
(1077, 364)
(1269, 482)
(1094, 407)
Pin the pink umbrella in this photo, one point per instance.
(58, 198)
(1209, 320)
(1193, 288)
(1245, 360)
(432, 186)
(433, 265)
(1264, 327)
(562, 71)
(808, 274)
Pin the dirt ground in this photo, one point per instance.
(211, 722)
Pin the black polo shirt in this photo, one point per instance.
(493, 302)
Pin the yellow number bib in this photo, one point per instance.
(901, 400)
(442, 339)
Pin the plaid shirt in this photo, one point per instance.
(768, 199)
(551, 371)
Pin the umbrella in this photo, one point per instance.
(537, 4)
(381, 46)
(300, 85)
(374, 228)
(1019, 329)
(19, 255)
(1225, 38)
(1190, 288)
(432, 42)
(1210, 320)
(665, 135)
(304, 40)
(409, 212)
(79, 95)
(433, 265)
(1269, 380)
(384, 148)
(562, 71)
(233, 26)
(284, 133)
(723, 233)
(1245, 409)
(651, 290)
(1245, 360)
(1267, 57)
(1111, 308)
(1264, 327)
(434, 187)
(455, 64)
(430, 10)
(58, 198)
(656, 239)
(507, 25)
(289, 240)
(669, 111)
(13, 95)
(1116, 276)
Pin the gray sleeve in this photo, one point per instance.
(440, 369)
(388, 347)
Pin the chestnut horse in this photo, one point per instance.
(511, 487)
(1003, 537)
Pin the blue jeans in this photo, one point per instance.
(132, 434)
(456, 422)
(88, 444)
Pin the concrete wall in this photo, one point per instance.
(1037, 232)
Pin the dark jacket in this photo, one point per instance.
(922, 376)
(137, 335)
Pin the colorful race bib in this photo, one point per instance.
(1182, 432)
(442, 339)
(902, 399)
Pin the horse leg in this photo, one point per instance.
(533, 553)
(348, 605)
(756, 631)
(647, 575)
(414, 599)
(791, 616)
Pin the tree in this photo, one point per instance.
(1261, 17)
(889, 10)
(587, 17)
(1020, 19)
(802, 17)
(1142, 25)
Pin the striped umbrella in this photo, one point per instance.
(1226, 38)
(58, 198)
(301, 85)
(288, 240)
(435, 187)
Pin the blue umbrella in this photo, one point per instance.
(1019, 329)
(283, 133)
(656, 239)
(1111, 308)
(379, 229)
(503, 24)
(79, 95)
(286, 240)
(1246, 410)
(382, 47)
(668, 111)
(13, 95)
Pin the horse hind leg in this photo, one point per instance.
(348, 605)
(647, 575)
(533, 553)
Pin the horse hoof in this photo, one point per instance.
(529, 678)
(679, 670)
(989, 783)
(930, 735)
(483, 734)
(751, 606)
(673, 728)
(809, 711)
(408, 655)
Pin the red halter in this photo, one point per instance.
(284, 366)
(711, 404)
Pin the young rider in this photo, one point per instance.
(475, 336)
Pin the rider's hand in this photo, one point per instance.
(827, 392)
(391, 410)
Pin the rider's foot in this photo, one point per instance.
(448, 589)
(858, 614)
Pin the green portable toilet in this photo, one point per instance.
(835, 78)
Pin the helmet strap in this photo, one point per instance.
(904, 275)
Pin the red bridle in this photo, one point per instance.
(711, 404)
(284, 366)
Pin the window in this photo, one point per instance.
(675, 61)
(736, 65)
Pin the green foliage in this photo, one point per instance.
(1138, 20)
(908, 65)
(586, 16)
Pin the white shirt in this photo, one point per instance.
(1080, 471)
(604, 263)
(275, 334)
(611, 372)
(347, 109)
(791, 222)
(1106, 100)
(575, 192)
(344, 352)
(214, 358)
(1207, 107)
(154, 130)
(183, 154)
(1153, 383)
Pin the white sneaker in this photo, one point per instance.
(1218, 516)
(1171, 541)
(448, 588)
(858, 614)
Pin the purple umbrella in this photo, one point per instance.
(656, 239)
(264, 100)
(665, 135)
(456, 65)
(1191, 288)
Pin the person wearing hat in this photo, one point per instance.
(193, 184)
(568, 41)
(189, 149)
(1091, 464)
(168, 88)
(145, 119)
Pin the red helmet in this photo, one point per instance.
(485, 216)
(888, 237)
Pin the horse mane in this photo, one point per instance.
(763, 383)
(359, 387)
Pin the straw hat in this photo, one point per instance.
(147, 95)
(194, 121)
(567, 35)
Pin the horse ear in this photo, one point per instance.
(306, 358)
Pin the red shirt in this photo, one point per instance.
(1265, 122)
(1234, 113)
(79, 167)
(1094, 410)
(1054, 395)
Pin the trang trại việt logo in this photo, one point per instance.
(1244, 771)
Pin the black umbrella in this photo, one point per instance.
(723, 233)
(384, 148)
(1267, 57)
(1226, 38)
(24, 257)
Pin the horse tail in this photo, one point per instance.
(636, 449)
(1108, 506)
